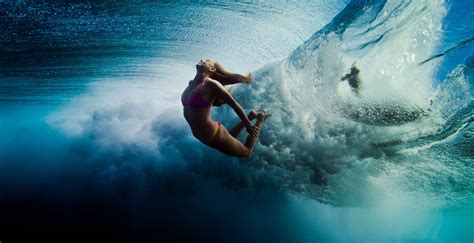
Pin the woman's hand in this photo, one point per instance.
(253, 130)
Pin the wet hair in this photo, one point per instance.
(225, 77)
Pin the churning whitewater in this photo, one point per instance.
(91, 121)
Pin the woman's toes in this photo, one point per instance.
(262, 115)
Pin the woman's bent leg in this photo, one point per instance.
(240, 126)
(229, 145)
(237, 129)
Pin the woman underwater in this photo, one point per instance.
(207, 89)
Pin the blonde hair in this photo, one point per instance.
(225, 77)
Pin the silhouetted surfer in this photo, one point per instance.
(353, 79)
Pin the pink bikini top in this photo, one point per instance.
(197, 100)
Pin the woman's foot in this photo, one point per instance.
(262, 115)
(249, 79)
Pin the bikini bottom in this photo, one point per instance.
(216, 131)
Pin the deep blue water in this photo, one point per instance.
(93, 142)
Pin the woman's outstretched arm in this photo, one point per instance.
(222, 92)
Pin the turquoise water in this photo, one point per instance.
(91, 124)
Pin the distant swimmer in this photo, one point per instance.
(207, 89)
(353, 79)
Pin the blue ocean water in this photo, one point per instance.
(93, 142)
